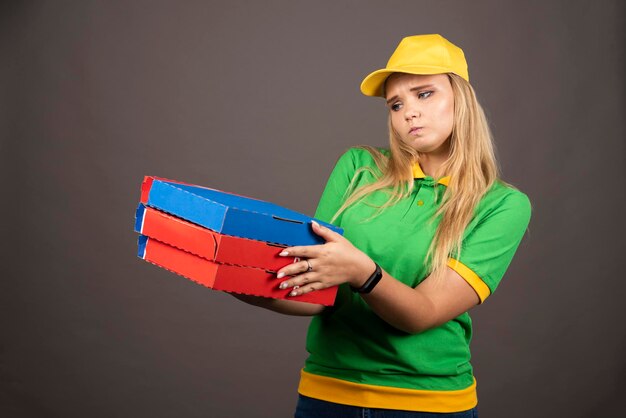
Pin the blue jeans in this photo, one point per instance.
(314, 408)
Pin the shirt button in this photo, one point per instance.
(420, 202)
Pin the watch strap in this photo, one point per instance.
(371, 282)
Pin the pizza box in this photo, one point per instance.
(208, 244)
(228, 278)
(231, 214)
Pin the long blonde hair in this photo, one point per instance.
(471, 165)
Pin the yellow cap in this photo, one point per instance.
(419, 54)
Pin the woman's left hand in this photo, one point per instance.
(335, 262)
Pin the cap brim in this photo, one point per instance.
(372, 85)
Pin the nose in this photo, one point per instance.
(411, 111)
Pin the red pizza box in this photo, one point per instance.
(228, 278)
(208, 244)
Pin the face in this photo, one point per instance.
(422, 111)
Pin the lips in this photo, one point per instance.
(416, 129)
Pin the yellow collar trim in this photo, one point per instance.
(418, 173)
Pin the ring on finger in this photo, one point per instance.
(310, 267)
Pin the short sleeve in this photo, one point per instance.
(490, 244)
(336, 187)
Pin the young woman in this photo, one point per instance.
(430, 230)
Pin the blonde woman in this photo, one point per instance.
(430, 230)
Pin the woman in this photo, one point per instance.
(429, 232)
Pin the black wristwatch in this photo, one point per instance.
(370, 283)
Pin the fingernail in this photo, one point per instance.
(280, 275)
(315, 223)
(283, 285)
(284, 253)
(293, 293)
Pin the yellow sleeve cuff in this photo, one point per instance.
(471, 278)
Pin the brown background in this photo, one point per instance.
(260, 98)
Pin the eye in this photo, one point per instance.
(395, 106)
(424, 94)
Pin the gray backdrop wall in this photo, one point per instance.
(260, 98)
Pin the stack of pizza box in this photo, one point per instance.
(222, 240)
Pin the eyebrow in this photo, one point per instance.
(411, 89)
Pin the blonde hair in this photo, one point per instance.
(471, 165)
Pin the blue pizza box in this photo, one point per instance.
(231, 214)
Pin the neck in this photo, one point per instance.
(431, 163)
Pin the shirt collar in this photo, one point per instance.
(419, 174)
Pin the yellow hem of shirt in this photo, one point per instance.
(373, 396)
(471, 278)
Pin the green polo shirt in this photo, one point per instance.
(356, 358)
